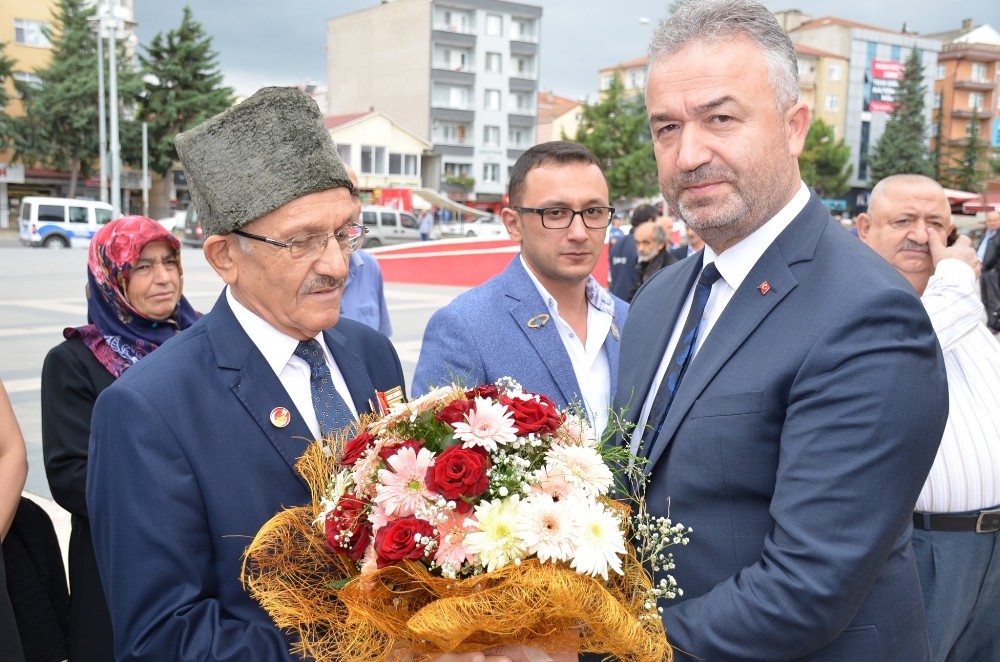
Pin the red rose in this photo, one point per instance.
(459, 474)
(489, 391)
(455, 411)
(355, 448)
(389, 451)
(347, 528)
(537, 414)
(398, 540)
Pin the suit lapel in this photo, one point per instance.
(349, 361)
(744, 313)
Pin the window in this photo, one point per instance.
(941, 72)
(518, 136)
(403, 164)
(452, 96)
(832, 102)
(494, 25)
(30, 33)
(452, 133)
(606, 80)
(408, 221)
(369, 218)
(27, 78)
(522, 29)
(456, 169)
(491, 136)
(636, 79)
(520, 102)
(78, 214)
(373, 159)
(491, 173)
(492, 100)
(51, 214)
(937, 100)
(976, 101)
(493, 61)
(979, 72)
(833, 71)
(523, 67)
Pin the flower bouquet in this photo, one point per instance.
(463, 520)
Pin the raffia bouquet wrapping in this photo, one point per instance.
(460, 521)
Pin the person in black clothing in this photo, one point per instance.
(622, 254)
(13, 471)
(134, 304)
(651, 250)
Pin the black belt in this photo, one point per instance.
(986, 521)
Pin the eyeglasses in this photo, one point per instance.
(560, 218)
(311, 246)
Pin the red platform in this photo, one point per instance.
(459, 262)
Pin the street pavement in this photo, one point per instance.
(42, 292)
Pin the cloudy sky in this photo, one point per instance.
(261, 42)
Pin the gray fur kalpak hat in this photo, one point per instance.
(252, 158)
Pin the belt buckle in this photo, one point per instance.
(988, 521)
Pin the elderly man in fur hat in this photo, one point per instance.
(194, 448)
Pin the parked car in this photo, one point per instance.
(388, 225)
(485, 227)
(193, 233)
(173, 222)
(61, 222)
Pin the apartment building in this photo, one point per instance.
(823, 85)
(966, 87)
(557, 116)
(462, 72)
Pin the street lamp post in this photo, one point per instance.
(102, 121)
(116, 162)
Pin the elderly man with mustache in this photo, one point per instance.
(957, 516)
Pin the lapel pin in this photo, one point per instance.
(764, 287)
(538, 321)
(280, 417)
(614, 332)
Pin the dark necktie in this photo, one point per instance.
(331, 410)
(681, 357)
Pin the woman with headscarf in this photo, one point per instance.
(134, 304)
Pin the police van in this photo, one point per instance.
(61, 222)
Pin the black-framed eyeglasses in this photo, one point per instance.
(560, 218)
(311, 246)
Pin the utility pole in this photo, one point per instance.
(116, 148)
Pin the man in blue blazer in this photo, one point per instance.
(545, 321)
(194, 448)
(800, 433)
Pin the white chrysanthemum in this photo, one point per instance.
(602, 544)
(552, 481)
(582, 467)
(487, 425)
(495, 542)
(548, 528)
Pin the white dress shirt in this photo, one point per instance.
(590, 360)
(293, 372)
(733, 264)
(966, 471)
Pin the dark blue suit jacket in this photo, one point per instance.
(796, 446)
(483, 335)
(185, 467)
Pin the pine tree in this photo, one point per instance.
(6, 72)
(824, 161)
(968, 173)
(903, 146)
(616, 130)
(183, 88)
(60, 124)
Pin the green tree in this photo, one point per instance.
(183, 87)
(60, 123)
(824, 161)
(903, 146)
(6, 72)
(968, 171)
(615, 129)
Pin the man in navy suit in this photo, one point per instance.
(193, 449)
(545, 321)
(802, 429)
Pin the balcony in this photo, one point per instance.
(974, 84)
(966, 113)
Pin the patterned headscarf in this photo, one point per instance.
(118, 335)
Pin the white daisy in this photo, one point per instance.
(582, 467)
(601, 543)
(548, 528)
(495, 542)
(487, 425)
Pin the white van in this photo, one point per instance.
(388, 225)
(61, 222)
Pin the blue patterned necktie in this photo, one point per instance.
(331, 410)
(681, 357)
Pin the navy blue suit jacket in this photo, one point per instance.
(185, 466)
(483, 335)
(796, 446)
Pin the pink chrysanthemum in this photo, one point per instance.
(451, 553)
(401, 489)
(581, 466)
(488, 425)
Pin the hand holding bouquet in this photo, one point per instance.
(462, 520)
